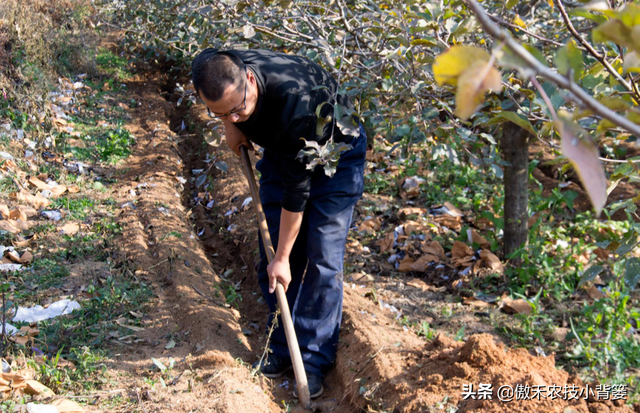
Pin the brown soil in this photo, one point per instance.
(160, 246)
(193, 255)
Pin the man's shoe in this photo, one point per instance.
(315, 386)
(273, 366)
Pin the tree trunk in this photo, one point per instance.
(515, 148)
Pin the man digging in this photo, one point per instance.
(270, 99)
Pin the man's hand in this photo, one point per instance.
(279, 271)
(235, 137)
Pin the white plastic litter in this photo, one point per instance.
(41, 408)
(11, 330)
(210, 204)
(52, 215)
(246, 202)
(6, 155)
(11, 267)
(412, 182)
(39, 313)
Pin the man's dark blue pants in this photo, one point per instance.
(315, 292)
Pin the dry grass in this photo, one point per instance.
(40, 39)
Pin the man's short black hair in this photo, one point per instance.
(212, 72)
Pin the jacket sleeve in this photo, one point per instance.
(296, 178)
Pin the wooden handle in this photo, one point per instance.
(292, 340)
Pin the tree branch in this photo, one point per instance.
(590, 48)
(515, 26)
(583, 97)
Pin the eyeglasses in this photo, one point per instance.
(244, 101)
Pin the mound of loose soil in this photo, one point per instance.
(406, 375)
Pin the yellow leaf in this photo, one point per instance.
(449, 65)
(472, 84)
(519, 22)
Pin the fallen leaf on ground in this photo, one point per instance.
(370, 225)
(475, 302)
(423, 262)
(484, 223)
(70, 228)
(26, 257)
(386, 243)
(25, 335)
(461, 255)
(22, 242)
(403, 213)
(30, 212)
(73, 189)
(450, 222)
(412, 227)
(9, 226)
(37, 201)
(518, 306)
(67, 406)
(361, 277)
(38, 183)
(4, 211)
(560, 333)
(419, 284)
(594, 293)
(58, 190)
(491, 261)
(453, 210)
(406, 264)
(432, 248)
(34, 387)
(17, 214)
(477, 238)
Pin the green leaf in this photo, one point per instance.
(497, 171)
(536, 53)
(617, 32)
(423, 42)
(630, 15)
(514, 118)
(632, 272)
(569, 57)
(578, 147)
(629, 241)
(449, 65)
(511, 3)
(590, 274)
(614, 103)
(598, 18)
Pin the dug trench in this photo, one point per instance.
(191, 236)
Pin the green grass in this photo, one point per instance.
(107, 145)
(112, 64)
